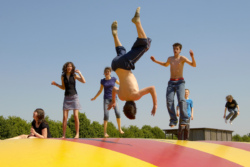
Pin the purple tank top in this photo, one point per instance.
(108, 86)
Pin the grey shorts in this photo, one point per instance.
(71, 103)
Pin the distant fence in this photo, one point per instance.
(204, 134)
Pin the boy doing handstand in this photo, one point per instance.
(123, 63)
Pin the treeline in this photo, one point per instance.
(15, 126)
(244, 138)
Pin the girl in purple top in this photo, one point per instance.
(108, 83)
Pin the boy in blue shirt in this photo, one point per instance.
(190, 111)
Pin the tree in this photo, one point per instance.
(55, 128)
(96, 129)
(146, 129)
(15, 126)
(132, 132)
(237, 138)
(158, 133)
(84, 127)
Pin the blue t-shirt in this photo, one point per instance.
(189, 106)
(108, 86)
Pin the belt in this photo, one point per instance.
(176, 79)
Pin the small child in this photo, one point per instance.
(233, 107)
(190, 111)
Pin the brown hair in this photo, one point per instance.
(229, 97)
(177, 45)
(187, 89)
(107, 68)
(64, 69)
(40, 115)
(129, 109)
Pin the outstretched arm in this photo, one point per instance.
(145, 91)
(59, 86)
(80, 77)
(98, 93)
(193, 63)
(115, 91)
(159, 62)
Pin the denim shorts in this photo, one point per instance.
(126, 60)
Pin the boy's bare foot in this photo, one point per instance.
(77, 136)
(121, 132)
(136, 18)
(114, 28)
(63, 137)
(106, 135)
(172, 126)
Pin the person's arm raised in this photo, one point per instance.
(193, 63)
(80, 77)
(59, 86)
(167, 63)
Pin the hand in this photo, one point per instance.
(32, 131)
(77, 71)
(154, 110)
(192, 117)
(238, 112)
(177, 114)
(111, 105)
(152, 58)
(53, 83)
(191, 53)
(92, 99)
(224, 116)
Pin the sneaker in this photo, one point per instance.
(225, 120)
(231, 122)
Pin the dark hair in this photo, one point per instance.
(177, 45)
(129, 109)
(187, 89)
(107, 68)
(64, 69)
(40, 115)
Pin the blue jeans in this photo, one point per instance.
(106, 111)
(126, 60)
(179, 88)
(232, 113)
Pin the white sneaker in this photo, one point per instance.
(225, 120)
(231, 122)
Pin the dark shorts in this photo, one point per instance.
(126, 60)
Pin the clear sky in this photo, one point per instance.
(38, 37)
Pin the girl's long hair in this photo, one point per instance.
(40, 115)
(64, 69)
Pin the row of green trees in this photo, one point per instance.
(244, 138)
(15, 126)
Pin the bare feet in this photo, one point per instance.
(77, 136)
(106, 135)
(136, 18)
(121, 132)
(114, 28)
(63, 137)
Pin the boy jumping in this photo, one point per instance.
(123, 63)
(176, 83)
(233, 108)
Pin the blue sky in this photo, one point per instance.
(38, 37)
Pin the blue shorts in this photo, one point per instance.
(127, 61)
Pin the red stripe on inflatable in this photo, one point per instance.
(158, 153)
(239, 145)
